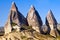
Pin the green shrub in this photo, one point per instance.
(13, 24)
(23, 37)
(27, 27)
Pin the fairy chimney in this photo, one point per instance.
(14, 18)
(52, 24)
(34, 19)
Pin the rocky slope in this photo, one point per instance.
(27, 35)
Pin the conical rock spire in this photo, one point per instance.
(34, 19)
(51, 23)
(32, 7)
(14, 18)
(14, 7)
(50, 17)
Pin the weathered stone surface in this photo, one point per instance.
(16, 28)
(51, 23)
(34, 19)
(58, 28)
(44, 29)
(15, 18)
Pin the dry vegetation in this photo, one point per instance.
(28, 34)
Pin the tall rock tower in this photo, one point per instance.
(34, 19)
(51, 23)
(14, 18)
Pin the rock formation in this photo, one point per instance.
(58, 28)
(18, 27)
(51, 23)
(44, 29)
(15, 18)
(34, 19)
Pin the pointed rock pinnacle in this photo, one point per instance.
(52, 24)
(15, 17)
(50, 13)
(14, 7)
(32, 8)
(34, 19)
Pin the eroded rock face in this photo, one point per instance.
(15, 18)
(44, 29)
(58, 28)
(51, 23)
(34, 19)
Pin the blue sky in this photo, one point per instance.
(42, 6)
